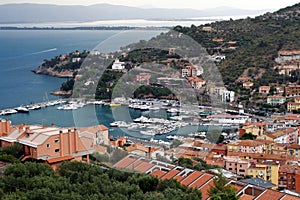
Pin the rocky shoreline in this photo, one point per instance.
(50, 72)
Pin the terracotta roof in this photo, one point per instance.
(143, 167)
(204, 189)
(246, 197)
(59, 159)
(288, 168)
(124, 162)
(255, 123)
(179, 178)
(93, 129)
(281, 133)
(134, 164)
(270, 194)
(294, 146)
(289, 197)
(237, 186)
(251, 143)
(170, 174)
(189, 179)
(201, 180)
(158, 173)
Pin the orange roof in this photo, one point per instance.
(189, 179)
(94, 129)
(204, 189)
(290, 197)
(294, 146)
(124, 162)
(200, 181)
(170, 174)
(246, 197)
(158, 173)
(255, 123)
(281, 133)
(179, 178)
(251, 143)
(59, 159)
(134, 164)
(143, 167)
(237, 186)
(270, 194)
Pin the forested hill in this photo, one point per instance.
(250, 43)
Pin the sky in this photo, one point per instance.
(195, 4)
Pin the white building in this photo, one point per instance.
(227, 96)
(117, 65)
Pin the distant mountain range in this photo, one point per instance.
(39, 13)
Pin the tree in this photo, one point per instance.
(248, 136)
(221, 191)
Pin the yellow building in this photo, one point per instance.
(266, 171)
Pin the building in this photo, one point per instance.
(236, 165)
(256, 128)
(196, 82)
(143, 78)
(275, 100)
(117, 65)
(192, 71)
(264, 89)
(292, 90)
(294, 105)
(74, 60)
(289, 177)
(51, 144)
(248, 85)
(288, 135)
(100, 133)
(251, 146)
(228, 96)
(266, 171)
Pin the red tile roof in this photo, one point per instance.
(246, 197)
(270, 194)
(158, 173)
(202, 180)
(290, 197)
(189, 179)
(124, 162)
(204, 189)
(170, 174)
(143, 167)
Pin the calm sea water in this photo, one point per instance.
(22, 51)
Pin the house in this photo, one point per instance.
(294, 105)
(264, 89)
(250, 146)
(143, 78)
(117, 65)
(248, 85)
(100, 133)
(236, 165)
(256, 128)
(171, 51)
(275, 100)
(95, 52)
(196, 82)
(292, 90)
(207, 28)
(289, 177)
(51, 144)
(228, 96)
(74, 60)
(267, 171)
(288, 135)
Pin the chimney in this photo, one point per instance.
(7, 126)
(61, 143)
(70, 141)
(27, 129)
(149, 152)
(75, 140)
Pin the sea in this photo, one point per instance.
(24, 50)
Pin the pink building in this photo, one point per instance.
(50, 144)
(236, 165)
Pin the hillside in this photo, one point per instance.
(250, 43)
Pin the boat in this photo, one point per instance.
(114, 104)
(22, 109)
(173, 110)
(150, 132)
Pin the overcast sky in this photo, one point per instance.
(196, 4)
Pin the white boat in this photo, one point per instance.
(9, 112)
(150, 132)
(173, 110)
(22, 109)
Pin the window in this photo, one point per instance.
(56, 140)
(56, 150)
(48, 146)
